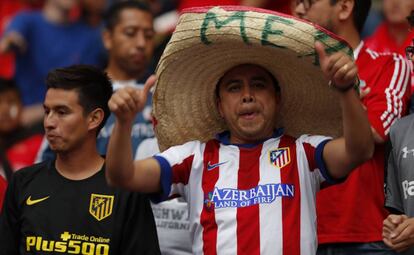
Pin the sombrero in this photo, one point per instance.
(209, 41)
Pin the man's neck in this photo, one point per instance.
(54, 14)
(398, 32)
(350, 35)
(117, 74)
(80, 163)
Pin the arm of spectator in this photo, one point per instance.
(388, 98)
(398, 232)
(356, 146)
(377, 138)
(121, 170)
(12, 40)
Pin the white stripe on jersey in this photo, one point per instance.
(309, 185)
(396, 88)
(270, 213)
(226, 219)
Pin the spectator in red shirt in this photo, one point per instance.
(350, 214)
(394, 34)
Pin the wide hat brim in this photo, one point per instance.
(208, 42)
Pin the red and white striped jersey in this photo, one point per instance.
(257, 199)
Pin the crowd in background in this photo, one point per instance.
(39, 35)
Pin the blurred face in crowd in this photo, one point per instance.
(248, 102)
(94, 6)
(10, 111)
(131, 42)
(396, 11)
(66, 125)
(66, 5)
(320, 12)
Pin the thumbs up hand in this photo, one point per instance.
(339, 68)
(125, 103)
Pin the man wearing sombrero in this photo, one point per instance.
(398, 228)
(228, 81)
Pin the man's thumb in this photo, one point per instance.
(320, 49)
(149, 84)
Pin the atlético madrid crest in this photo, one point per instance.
(100, 206)
(280, 157)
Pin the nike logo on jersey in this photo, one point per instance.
(213, 166)
(29, 200)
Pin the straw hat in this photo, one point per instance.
(209, 41)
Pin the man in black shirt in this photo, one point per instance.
(65, 206)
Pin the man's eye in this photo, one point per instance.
(259, 85)
(233, 88)
(129, 32)
(149, 35)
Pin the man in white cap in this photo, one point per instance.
(230, 70)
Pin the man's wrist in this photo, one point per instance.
(354, 85)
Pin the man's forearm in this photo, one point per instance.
(359, 141)
(119, 159)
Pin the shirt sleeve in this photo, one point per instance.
(388, 99)
(9, 221)
(176, 164)
(313, 148)
(21, 24)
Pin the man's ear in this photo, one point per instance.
(346, 8)
(107, 39)
(95, 118)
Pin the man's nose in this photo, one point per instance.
(49, 120)
(300, 10)
(247, 96)
(140, 41)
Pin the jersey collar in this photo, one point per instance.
(224, 138)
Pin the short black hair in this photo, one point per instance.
(411, 19)
(359, 13)
(93, 86)
(112, 14)
(8, 85)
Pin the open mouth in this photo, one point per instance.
(248, 115)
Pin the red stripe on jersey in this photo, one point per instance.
(181, 172)
(248, 226)
(310, 155)
(291, 206)
(209, 179)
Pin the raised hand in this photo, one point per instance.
(125, 103)
(13, 39)
(339, 68)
